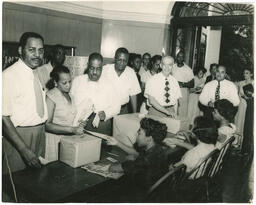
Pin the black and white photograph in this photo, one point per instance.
(139, 101)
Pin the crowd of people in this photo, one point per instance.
(41, 103)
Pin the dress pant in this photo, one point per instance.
(34, 138)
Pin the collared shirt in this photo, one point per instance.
(100, 93)
(145, 76)
(155, 87)
(44, 73)
(195, 156)
(149, 166)
(228, 91)
(19, 101)
(126, 84)
(182, 74)
(142, 70)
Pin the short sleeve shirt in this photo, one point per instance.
(126, 84)
(182, 74)
(155, 87)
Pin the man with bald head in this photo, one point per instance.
(163, 91)
(185, 77)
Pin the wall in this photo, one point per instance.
(138, 37)
(56, 27)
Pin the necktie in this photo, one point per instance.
(38, 95)
(167, 95)
(217, 92)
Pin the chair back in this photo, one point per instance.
(217, 166)
(203, 168)
(166, 185)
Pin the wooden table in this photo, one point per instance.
(58, 182)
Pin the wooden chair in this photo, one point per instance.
(213, 185)
(164, 189)
(199, 175)
(218, 165)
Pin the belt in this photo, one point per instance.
(32, 126)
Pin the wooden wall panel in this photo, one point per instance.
(56, 27)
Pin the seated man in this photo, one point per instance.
(97, 94)
(149, 163)
(163, 91)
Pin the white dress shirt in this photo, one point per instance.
(228, 91)
(126, 84)
(145, 76)
(101, 93)
(182, 74)
(155, 87)
(142, 70)
(19, 101)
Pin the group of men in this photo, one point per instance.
(24, 109)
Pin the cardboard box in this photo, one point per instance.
(79, 150)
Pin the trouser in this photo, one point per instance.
(34, 138)
(183, 103)
(105, 127)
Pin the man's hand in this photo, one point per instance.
(111, 141)
(211, 104)
(102, 115)
(30, 158)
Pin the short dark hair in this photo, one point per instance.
(212, 65)
(25, 36)
(198, 69)
(95, 56)
(226, 109)
(205, 130)
(154, 128)
(56, 47)
(153, 60)
(121, 50)
(146, 54)
(54, 75)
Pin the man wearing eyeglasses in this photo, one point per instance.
(95, 93)
(163, 91)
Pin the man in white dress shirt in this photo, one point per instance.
(145, 64)
(124, 79)
(24, 109)
(218, 89)
(57, 58)
(97, 92)
(185, 77)
(163, 91)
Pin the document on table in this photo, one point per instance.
(101, 169)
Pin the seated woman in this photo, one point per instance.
(149, 162)
(224, 113)
(206, 137)
(61, 111)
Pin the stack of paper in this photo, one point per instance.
(101, 169)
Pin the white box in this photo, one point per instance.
(79, 150)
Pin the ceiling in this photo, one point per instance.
(146, 11)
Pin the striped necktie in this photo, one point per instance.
(217, 92)
(38, 95)
(167, 95)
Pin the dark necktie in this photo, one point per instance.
(217, 92)
(167, 95)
